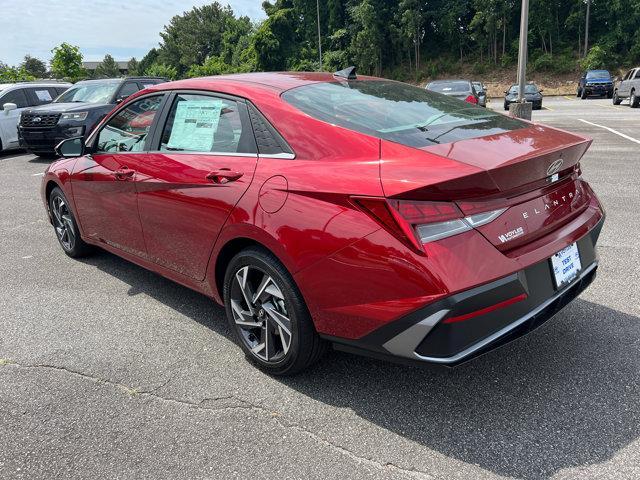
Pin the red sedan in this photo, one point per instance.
(336, 209)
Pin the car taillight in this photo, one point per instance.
(471, 99)
(418, 223)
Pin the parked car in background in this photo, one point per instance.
(15, 98)
(628, 87)
(595, 82)
(531, 94)
(353, 210)
(481, 90)
(460, 89)
(76, 112)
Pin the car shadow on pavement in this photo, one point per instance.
(564, 396)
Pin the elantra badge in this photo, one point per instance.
(555, 167)
(36, 120)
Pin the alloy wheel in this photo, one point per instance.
(63, 223)
(260, 314)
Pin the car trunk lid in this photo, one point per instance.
(531, 172)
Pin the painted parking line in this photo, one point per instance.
(611, 130)
(37, 174)
(548, 108)
(568, 97)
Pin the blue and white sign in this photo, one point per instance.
(566, 265)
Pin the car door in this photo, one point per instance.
(104, 184)
(204, 160)
(9, 119)
(623, 89)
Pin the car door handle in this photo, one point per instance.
(223, 175)
(124, 173)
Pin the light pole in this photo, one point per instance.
(319, 38)
(522, 109)
(586, 29)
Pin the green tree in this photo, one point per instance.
(67, 62)
(15, 74)
(133, 67)
(149, 59)
(275, 40)
(196, 35)
(34, 66)
(162, 70)
(108, 68)
(367, 42)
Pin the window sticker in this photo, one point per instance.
(43, 95)
(195, 124)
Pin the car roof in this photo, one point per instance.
(453, 80)
(53, 83)
(273, 81)
(120, 79)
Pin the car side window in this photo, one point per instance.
(127, 130)
(204, 123)
(637, 75)
(17, 96)
(40, 96)
(128, 89)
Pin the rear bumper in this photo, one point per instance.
(46, 140)
(425, 336)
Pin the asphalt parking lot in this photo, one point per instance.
(110, 371)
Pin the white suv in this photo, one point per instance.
(15, 97)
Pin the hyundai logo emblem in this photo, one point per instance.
(36, 120)
(555, 167)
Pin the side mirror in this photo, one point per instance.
(540, 91)
(506, 91)
(119, 100)
(71, 147)
(7, 107)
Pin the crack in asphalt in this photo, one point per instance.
(240, 405)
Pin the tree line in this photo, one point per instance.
(402, 39)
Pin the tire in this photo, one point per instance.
(260, 324)
(583, 94)
(616, 99)
(634, 100)
(609, 94)
(579, 93)
(65, 226)
(506, 106)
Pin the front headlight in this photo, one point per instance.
(78, 116)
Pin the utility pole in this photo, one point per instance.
(522, 109)
(319, 37)
(586, 29)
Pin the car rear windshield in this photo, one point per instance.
(398, 112)
(450, 87)
(599, 74)
(89, 92)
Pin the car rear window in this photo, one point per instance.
(450, 87)
(398, 112)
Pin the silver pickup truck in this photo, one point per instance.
(628, 87)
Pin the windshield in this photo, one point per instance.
(478, 86)
(599, 74)
(449, 87)
(397, 112)
(527, 89)
(89, 92)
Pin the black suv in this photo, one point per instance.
(75, 112)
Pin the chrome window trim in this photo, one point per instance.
(213, 154)
(281, 156)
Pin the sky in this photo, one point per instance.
(123, 29)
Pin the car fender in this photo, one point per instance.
(241, 230)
